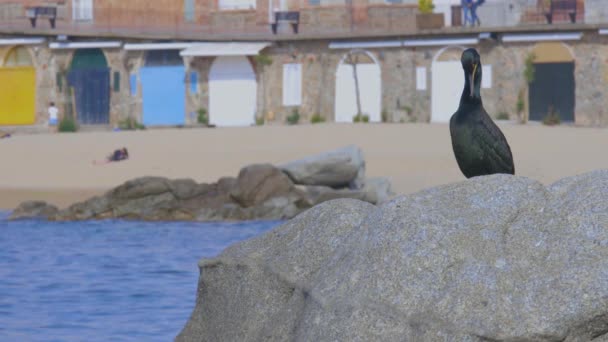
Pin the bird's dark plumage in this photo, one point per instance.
(479, 146)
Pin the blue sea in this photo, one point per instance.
(105, 280)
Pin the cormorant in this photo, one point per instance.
(479, 146)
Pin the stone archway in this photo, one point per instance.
(163, 88)
(553, 89)
(17, 87)
(89, 75)
(446, 83)
(370, 87)
(232, 91)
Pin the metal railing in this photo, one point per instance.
(338, 18)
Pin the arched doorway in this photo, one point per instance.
(447, 82)
(370, 87)
(90, 77)
(232, 92)
(553, 87)
(163, 88)
(17, 88)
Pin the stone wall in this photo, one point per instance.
(591, 81)
(200, 99)
(52, 69)
(596, 11)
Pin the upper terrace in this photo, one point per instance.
(253, 19)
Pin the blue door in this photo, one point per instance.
(89, 75)
(92, 94)
(164, 95)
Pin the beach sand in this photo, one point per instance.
(58, 167)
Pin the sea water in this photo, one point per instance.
(105, 280)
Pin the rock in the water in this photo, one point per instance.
(258, 183)
(343, 167)
(494, 258)
(261, 191)
(140, 187)
(34, 209)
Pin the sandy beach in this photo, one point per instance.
(58, 167)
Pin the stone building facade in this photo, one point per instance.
(329, 30)
(402, 100)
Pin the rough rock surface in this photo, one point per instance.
(258, 183)
(495, 258)
(33, 209)
(344, 167)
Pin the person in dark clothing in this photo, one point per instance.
(117, 155)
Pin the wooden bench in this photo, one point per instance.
(562, 6)
(32, 13)
(291, 17)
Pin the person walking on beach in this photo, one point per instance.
(53, 117)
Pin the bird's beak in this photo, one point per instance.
(472, 80)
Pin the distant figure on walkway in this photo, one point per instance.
(474, 17)
(118, 155)
(466, 10)
(53, 116)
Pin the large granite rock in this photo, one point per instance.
(375, 191)
(496, 258)
(344, 167)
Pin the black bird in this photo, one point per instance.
(479, 146)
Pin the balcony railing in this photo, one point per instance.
(324, 18)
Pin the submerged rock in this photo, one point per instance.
(494, 258)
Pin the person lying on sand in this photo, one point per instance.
(118, 155)
(4, 135)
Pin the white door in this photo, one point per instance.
(82, 10)
(447, 83)
(369, 91)
(232, 92)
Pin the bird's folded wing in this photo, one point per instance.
(494, 144)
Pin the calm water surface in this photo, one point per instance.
(105, 280)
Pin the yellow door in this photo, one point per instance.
(17, 96)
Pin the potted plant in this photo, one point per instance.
(426, 19)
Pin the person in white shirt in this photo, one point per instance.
(53, 115)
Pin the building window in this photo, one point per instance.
(420, 78)
(116, 81)
(133, 84)
(193, 82)
(189, 10)
(236, 4)
(292, 84)
(59, 81)
(82, 10)
(314, 2)
(486, 80)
